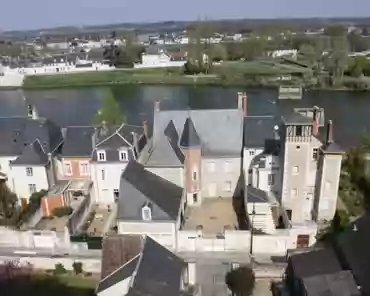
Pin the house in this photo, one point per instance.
(77, 152)
(149, 205)
(352, 247)
(211, 161)
(138, 271)
(156, 57)
(113, 148)
(318, 273)
(27, 153)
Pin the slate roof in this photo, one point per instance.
(332, 148)
(354, 245)
(314, 263)
(335, 284)
(78, 141)
(257, 129)
(220, 131)
(18, 132)
(149, 279)
(112, 138)
(189, 137)
(165, 151)
(255, 195)
(33, 154)
(139, 186)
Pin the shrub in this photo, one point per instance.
(241, 281)
(59, 269)
(62, 211)
(77, 267)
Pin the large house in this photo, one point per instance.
(138, 265)
(149, 205)
(198, 149)
(28, 149)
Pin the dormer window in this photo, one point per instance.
(123, 155)
(101, 155)
(146, 213)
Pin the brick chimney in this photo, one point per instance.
(145, 126)
(329, 132)
(245, 104)
(315, 121)
(157, 106)
(240, 100)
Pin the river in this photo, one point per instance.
(349, 111)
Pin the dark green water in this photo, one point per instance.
(349, 111)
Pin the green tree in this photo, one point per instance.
(241, 281)
(77, 267)
(62, 211)
(8, 204)
(110, 112)
(59, 269)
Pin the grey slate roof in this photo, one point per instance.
(165, 151)
(112, 138)
(18, 132)
(33, 154)
(189, 137)
(332, 148)
(220, 131)
(157, 270)
(335, 284)
(314, 263)
(257, 129)
(255, 195)
(139, 187)
(354, 246)
(78, 141)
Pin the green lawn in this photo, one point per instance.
(79, 281)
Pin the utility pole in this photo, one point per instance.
(252, 229)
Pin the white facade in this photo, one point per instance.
(161, 60)
(29, 179)
(106, 178)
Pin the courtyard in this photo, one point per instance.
(214, 215)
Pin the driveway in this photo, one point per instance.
(211, 278)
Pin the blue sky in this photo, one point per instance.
(31, 14)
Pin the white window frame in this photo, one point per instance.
(29, 172)
(123, 155)
(66, 165)
(146, 213)
(32, 188)
(101, 155)
(227, 167)
(295, 170)
(251, 152)
(227, 186)
(83, 164)
(211, 166)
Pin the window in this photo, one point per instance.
(29, 172)
(67, 168)
(211, 167)
(227, 167)
(101, 156)
(298, 130)
(84, 169)
(103, 175)
(227, 186)
(32, 188)
(123, 155)
(315, 152)
(116, 194)
(295, 170)
(146, 213)
(195, 174)
(251, 152)
(271, 179)
(294, 192)
(195, 197)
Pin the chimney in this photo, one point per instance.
(145, 126)
(329, 132)
(315, 121)
(135, 143)
(245, 104)
(240, 100)
(157, 106)
(52, 169)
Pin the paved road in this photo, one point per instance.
(211, 278)
(81, 254)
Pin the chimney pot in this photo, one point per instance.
(245, 104)
(145, 126)
(315, 121)
(157, 106)
(240, 100)
(329, 132)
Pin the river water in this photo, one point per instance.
(349, 111)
